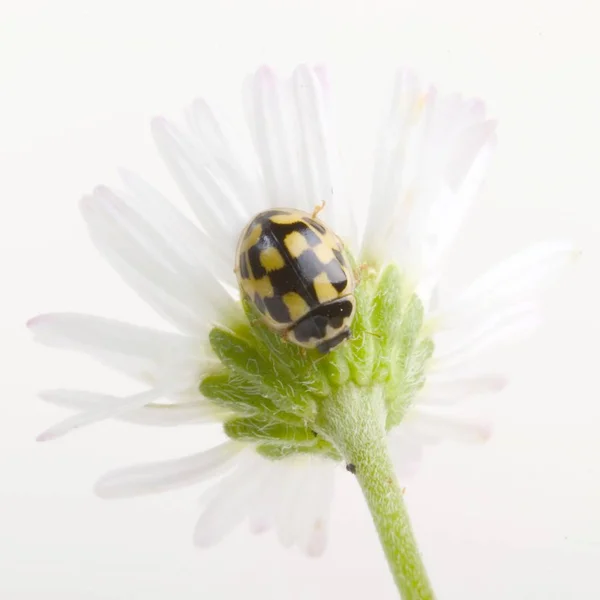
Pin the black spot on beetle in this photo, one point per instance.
(259, 303)
(244, 272)
(258, 271)
(330, 344)
(316, 225)
(351, 468)
(314, 324)
(261, 219)
(278, 310)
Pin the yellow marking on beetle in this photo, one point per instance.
(271, 259)
(262, 286)
(330, 239)
(248, 242)
(323, 288)
(324, 253)
(287, 219)
(295, 243)
(296, 305)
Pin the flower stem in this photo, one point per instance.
(356, 423)
(377, 479)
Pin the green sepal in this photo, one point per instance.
(414, 374)
(299, 361)
(387, 322)
(276, 390)
(278, 451)
(267, 376)
(336, 368)
(232, 392)
(361, 351)
(408, 376)
(255, 429)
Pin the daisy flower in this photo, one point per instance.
(292, 416)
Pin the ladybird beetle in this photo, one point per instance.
(296, 273)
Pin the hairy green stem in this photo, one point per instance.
(356, 423)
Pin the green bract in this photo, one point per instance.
(278, 393)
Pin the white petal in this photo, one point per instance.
(152, 478)
(290, 124)
(160, 415)
(319, 160)
(173, 280)
(138, 261)
(429, 165)
(290, 501)
(515, 280)
(466, 169)
(231, 156)
(401, 129)
(221, 195)
(444, 391)
(230, 500)
(106, 410)
(406, 450)
(195, 245)
(498, 307)
(296, 499)
(317, 539)
(459, 346)
(261, 512)
(149, 355)
(422, 427)
(435, 426)
(313, 515)
(263, 506)
(273, 122)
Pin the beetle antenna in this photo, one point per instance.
(318, 209)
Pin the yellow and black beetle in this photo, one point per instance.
(295, 271)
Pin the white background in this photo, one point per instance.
(517, 518)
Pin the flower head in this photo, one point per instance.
(282, 406)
